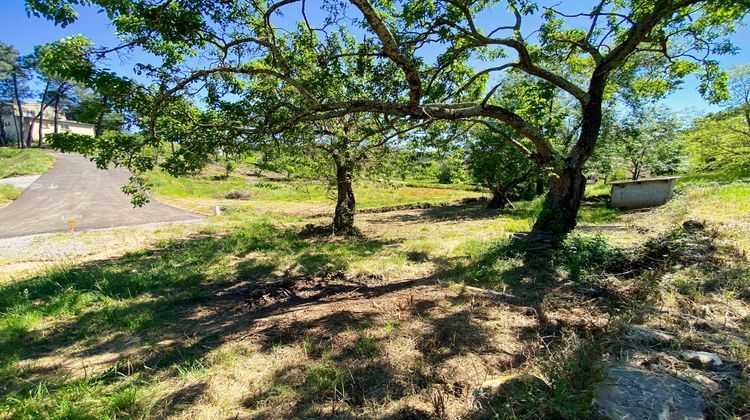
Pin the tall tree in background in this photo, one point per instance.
(740, 89)
(722, 141)
(587, 53)
(649, 141)
(55, 89)
(14, 77)
(92, 108)
(7, 56)
(498, 165)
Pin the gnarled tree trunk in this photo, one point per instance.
(343, 218)
(500, 192)
(560, 207)
(498, 200)
(566, 188)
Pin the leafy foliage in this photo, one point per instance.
(722, 141)
(500, 166)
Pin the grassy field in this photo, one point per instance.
(8, 193)
(242, 316)
(202, 192)
(14, 162)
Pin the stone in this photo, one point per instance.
(709, 385)
(507, 386)
(701, 359)
(630, 393)
(647, 336)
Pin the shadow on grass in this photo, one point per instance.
(590, 213)
(155, 313)
(135, 301)
(460, 212)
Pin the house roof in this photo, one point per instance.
(31, 109)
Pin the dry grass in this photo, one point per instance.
(244, 319)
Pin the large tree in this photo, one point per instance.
(14, 78)
(440, 53)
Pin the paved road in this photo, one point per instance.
(75, 189)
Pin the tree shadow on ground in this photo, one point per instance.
(461, 212)
(136, 300)
(160, 311)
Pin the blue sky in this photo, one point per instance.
(25, 32)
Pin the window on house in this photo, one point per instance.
(64, 126)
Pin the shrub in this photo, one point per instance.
(237, 195)
(579, 252)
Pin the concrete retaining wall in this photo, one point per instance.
(642, 193)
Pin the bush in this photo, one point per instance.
(580, 252)
(444, 174)
(237, 195)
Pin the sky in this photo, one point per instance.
(24, 32)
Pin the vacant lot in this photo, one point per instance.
(243, 316)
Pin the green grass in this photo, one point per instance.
(725, 176)
(14, 162)
(369, 194)
(599, 189)
(137, 294)
(8, 193)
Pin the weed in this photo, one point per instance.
(365, 347)
(191, 368)
(325, 379)
(392, 325)
(579, 252)
(125, 402)
(308, 345)
(572, 370)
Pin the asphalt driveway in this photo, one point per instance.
(75, 189)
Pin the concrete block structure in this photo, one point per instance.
(642, 193)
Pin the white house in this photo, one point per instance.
(10, 120)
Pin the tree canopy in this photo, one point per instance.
(418, 62)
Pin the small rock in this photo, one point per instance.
(507, 386)
(647, 336)
(701, 359)
(711, 386)
(691, 225)
(630, 393)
